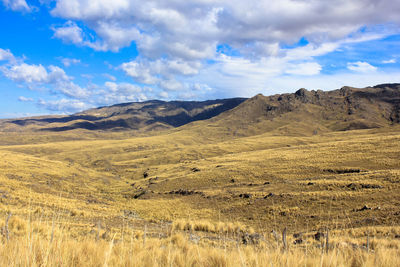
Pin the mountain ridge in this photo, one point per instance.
(144, 116)
(307, 112)
(302, 112)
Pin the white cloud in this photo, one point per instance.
(171, 85)
(64, 105)
(112, 93)
(200, 87)
(191, 29)
(149, 72)
(167, 67)
(70, 61)
(70, 32)
(307, 68)
(263, 68)
(162, 72)
(109, 76)
(6, 55)
(33, 75)
(26, 73)
(125, 88)
(140, 71)
(71, 89)
(163, 95)
(75, 97)
(360, 66)
(56, 74)
(114, 37)
(17, 5)
(176, 40)
(25, 99)
(389, 61)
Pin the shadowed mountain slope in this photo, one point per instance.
(142, 116)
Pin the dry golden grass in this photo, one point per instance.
(92, 179)
(86, 187)
(54, 246)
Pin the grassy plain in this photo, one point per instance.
(134, 195)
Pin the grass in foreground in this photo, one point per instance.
(44, 244)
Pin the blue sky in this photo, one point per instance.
(64, 56)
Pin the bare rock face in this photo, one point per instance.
(303, 95)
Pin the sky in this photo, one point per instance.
(65, 56)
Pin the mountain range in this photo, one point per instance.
(302, 112)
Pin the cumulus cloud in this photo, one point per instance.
(31, 73)
(140, 71)
(124, 88)
(161, 71)
(6, 55)
(70, 61)
(25, 99)
(200, 87)
(113, 37)
(190, 29)
(177, 40)
(17, 5)
(36, 75)
(163, 95)
(70, 32)
(361, 66)
(74, 97)
(171, 85)
(63, 105)
(389, 61)
(81, 98)
(307, 68)
(26, 73)
(113, 93)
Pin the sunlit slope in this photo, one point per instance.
(308, 112)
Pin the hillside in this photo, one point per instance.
(140, 116)
(310, 112)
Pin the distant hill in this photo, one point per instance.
(309, 112)
(140, 116)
